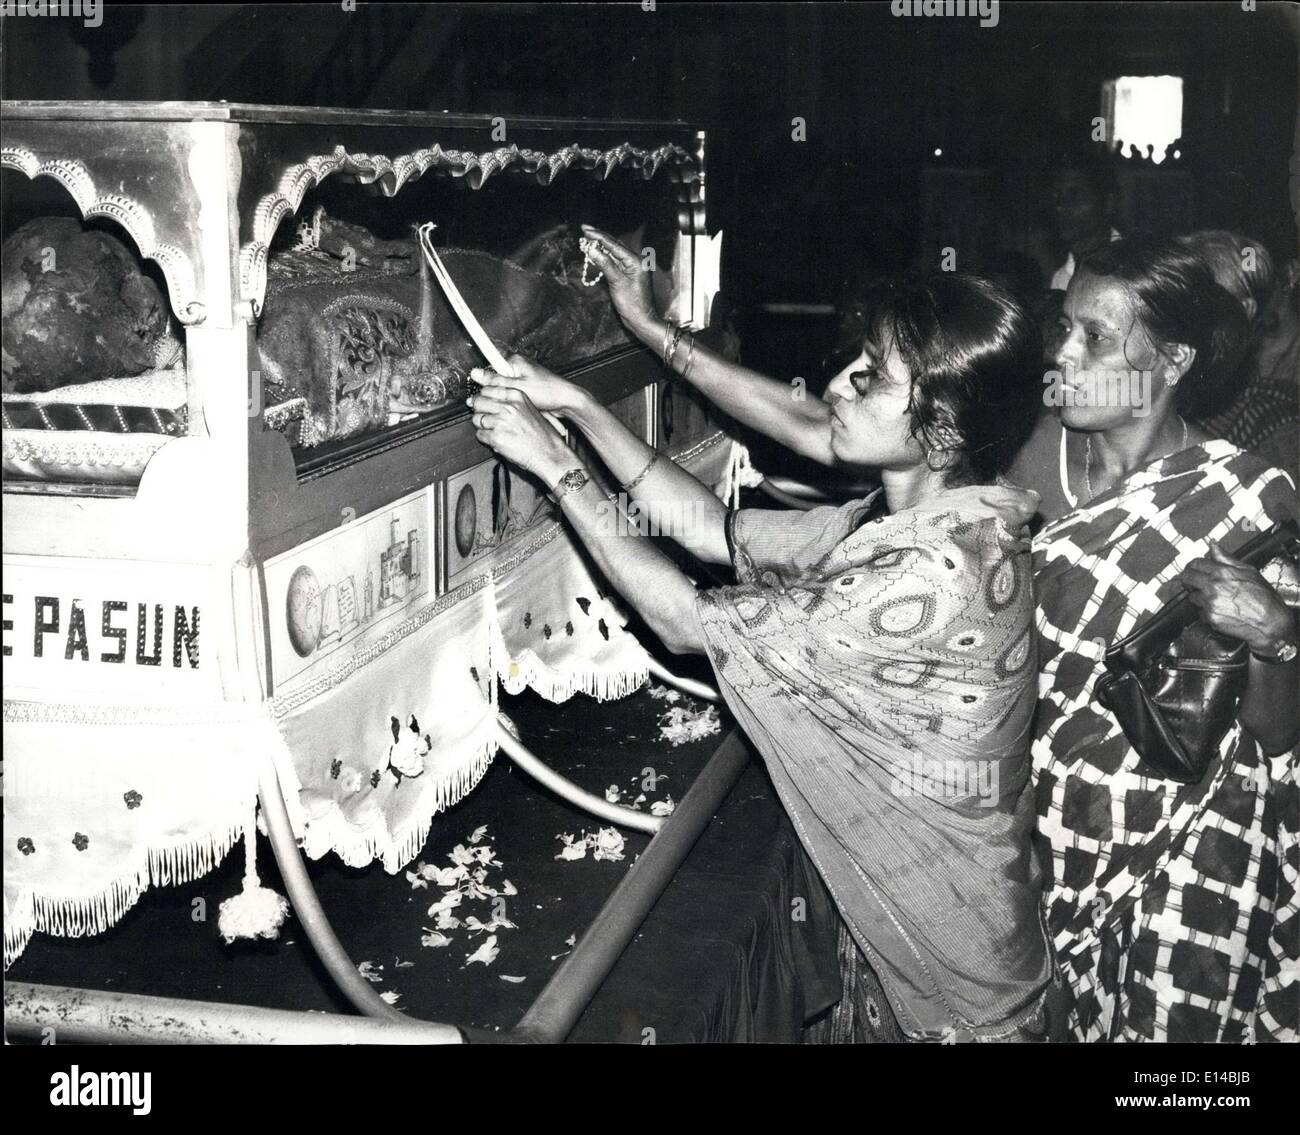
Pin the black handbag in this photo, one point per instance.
(1174, 685)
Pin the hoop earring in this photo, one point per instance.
(944, 453)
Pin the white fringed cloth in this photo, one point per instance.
(101, 803)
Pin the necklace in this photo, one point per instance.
(1087, 458)
(587, 264)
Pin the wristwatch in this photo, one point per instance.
(1277, 653)
(574, 481)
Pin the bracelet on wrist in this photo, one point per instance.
(632, 484)
(671, 358)
(690, 359)
(669, 328)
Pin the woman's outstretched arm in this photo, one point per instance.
(667, 499)
(773, 408)
(646, 578)
(674, 502)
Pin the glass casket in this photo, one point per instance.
(246, 517)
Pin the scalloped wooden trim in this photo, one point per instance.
(130, 214)
(391, 174)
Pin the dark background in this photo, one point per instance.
(879, 93)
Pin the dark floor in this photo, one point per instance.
(718, 958)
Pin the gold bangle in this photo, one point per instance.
(632, 484)
(668, 336)
(672, 351)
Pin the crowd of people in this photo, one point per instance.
(1046, 882)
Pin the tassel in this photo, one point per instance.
(740, 474)
(257, 911)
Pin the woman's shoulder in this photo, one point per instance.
(1005, 509)
(964, 554)
(792, 542)
(1242, 473)
(953, 543)
(1209, 487)
(826, 524)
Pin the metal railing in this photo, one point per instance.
(95, 1017)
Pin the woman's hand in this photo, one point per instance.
(1235, 600)
(507, 422)
(548, 392)
(628, 280)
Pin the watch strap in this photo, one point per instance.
(1277, 652)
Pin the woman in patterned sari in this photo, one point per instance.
(878, 655)
(1172, 907)
(1200, 882)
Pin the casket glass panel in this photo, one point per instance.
(353, 348)
(93, 357)
(356, 339)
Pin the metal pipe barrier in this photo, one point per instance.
(94, 1017)
(686, 685)
(306, 905)
(565, 789)
(552, 1016)
(84, 1016)
(781, 496)
(797, 494)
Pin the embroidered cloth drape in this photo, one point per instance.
(103, 802)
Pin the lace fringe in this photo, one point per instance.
(93, 914)
(559, 686)
(332, 831)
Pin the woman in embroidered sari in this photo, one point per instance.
(878, 655)
(1165, 902)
